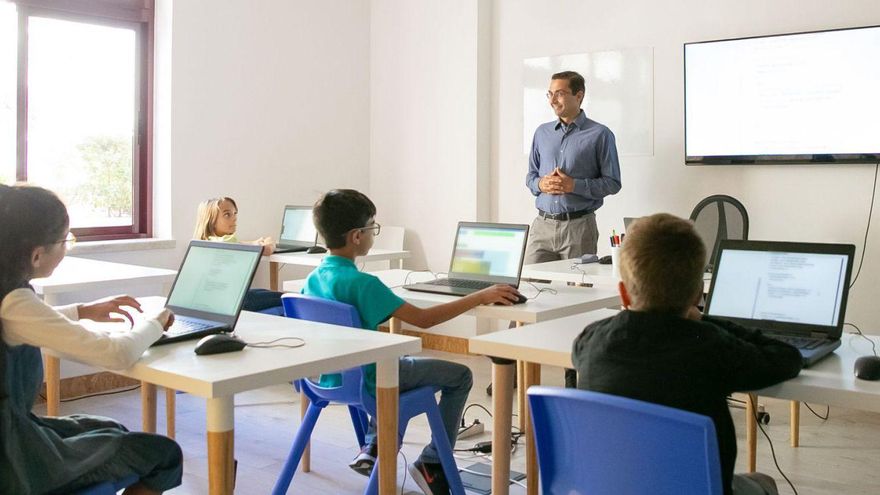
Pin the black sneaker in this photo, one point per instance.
(365, 460)
(429, 477)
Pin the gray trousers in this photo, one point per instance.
(551, 240)
(753, 484)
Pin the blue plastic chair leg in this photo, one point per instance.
(444, 450)
(296, 450)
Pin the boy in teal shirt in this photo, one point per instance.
(346, 220)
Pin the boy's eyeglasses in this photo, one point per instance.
(68, 241)
(375, 227)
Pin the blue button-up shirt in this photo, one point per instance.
(584, 150)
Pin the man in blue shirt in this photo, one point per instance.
(572, 167)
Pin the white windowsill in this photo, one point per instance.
(116, 246)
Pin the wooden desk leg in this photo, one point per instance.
(273, 275)
(751, 431)
(306, 460)
(221, 445)
(502, 409)
(532, 377)
(52, 365)
(387, 409)
(521, 390)
(170, 412)
(795, 423)
(394, 325)
(148, 407)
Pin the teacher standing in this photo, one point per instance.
(572, 167)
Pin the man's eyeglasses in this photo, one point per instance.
(376, 228)
(68, 241)
(559, 93)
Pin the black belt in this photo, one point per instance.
(564, 216)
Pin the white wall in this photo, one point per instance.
(267, 102)
(810, 203)
(429, 125)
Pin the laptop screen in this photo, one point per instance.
(488, 252)
(213, 279)
(792, 285)
(297, 225)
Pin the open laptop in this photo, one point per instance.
(792, 291)
(209, 289)
(298, 231)
(484, 254)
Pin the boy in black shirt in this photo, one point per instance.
(660, 349)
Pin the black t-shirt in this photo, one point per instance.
(687, 364)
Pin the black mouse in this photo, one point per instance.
(519, 299)
(867, 368)
(605, 260)
(316, 250)
(218, 344)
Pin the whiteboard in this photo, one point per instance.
(620, 94)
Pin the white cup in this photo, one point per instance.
(615, 262)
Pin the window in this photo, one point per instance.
(75, 108)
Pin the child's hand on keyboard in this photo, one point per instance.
(165, 318)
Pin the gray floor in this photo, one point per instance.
(836, 456)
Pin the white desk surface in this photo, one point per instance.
(75, 274)
(328, 348)
(568, 271)
(305, 259)
(540, 307)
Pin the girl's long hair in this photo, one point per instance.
(207, 216)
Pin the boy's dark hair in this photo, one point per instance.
(339, 212)
(575, 81)
(30, 217)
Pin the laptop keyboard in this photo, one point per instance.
(461, 283)
(183, 327)
(800, 342)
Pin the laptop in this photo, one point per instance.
(792, 291)
(484, 254)
(298, 231)
(209, 289)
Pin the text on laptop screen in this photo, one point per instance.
(213, 280)
(788, 287)
(488, 251)
(298, 225)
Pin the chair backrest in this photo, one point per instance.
(719, 217)
(351, 382)
(600, 444)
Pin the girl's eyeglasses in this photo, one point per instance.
(68, 241)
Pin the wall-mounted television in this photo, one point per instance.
(809, 97)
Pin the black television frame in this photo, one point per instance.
(843, 158)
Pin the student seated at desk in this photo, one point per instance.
(660, 349)
(217, 220)
(63, 454)
(346, 220)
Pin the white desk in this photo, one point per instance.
(568, 271)
(829, 382)
(78, 275)
(217, 378)
(276, 261)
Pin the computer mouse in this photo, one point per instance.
(605, 260)
(218, 344)
(316, 250)
(519, 299)
(867, 368)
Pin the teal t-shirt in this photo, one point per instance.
(338, 279)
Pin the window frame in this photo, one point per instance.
(130, 14)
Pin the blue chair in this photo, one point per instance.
(108, 487)
(600, 444)
(354, 393)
